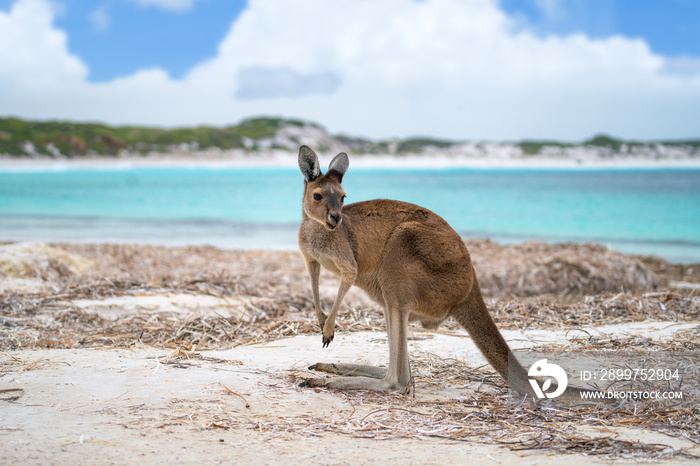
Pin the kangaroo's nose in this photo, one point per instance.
(335, 218)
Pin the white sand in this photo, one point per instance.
(288, 159)
(99, 406)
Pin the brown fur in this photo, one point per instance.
(408, 260)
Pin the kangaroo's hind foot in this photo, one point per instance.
(350, 370)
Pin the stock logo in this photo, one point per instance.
(552, 372)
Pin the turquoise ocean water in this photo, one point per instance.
(646, 211)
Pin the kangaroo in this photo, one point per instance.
(408, 260)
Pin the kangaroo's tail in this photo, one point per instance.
(476, 319)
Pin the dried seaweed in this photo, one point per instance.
(51, 318)
(589, 277)
(484, 414)
(535, 268)
(530, 269)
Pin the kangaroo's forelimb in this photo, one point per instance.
(314, 269)
(329, 326)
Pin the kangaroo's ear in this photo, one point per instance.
(339, 165)
(308, 163)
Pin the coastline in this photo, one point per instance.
(286, 159)
(226, 232)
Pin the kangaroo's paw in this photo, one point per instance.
(328, 332)
(323, 367)
(357, 383)
(327, 339)
(314, 382)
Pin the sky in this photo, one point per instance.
(455, 69)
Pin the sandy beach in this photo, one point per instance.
(217, 158)
(126, 354)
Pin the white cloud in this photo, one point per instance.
(169, 5)
(376, 68)
(259, 82)
(33, 54)
(683, 65)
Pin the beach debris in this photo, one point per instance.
(106, 294)
(35, 266)
(484, 413)
(11, 394)
(192, 299)
(535, 268)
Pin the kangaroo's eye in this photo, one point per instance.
(318, 197)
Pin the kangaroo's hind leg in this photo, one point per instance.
(396, 377)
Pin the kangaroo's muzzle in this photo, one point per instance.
(333, 220)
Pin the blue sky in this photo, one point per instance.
(670, 27)
(119, 37)
(217, 61)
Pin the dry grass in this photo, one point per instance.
(48, 317)
(605, 308)
(535, 268)
(528, 286)
(51, 321)
(530, 269)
